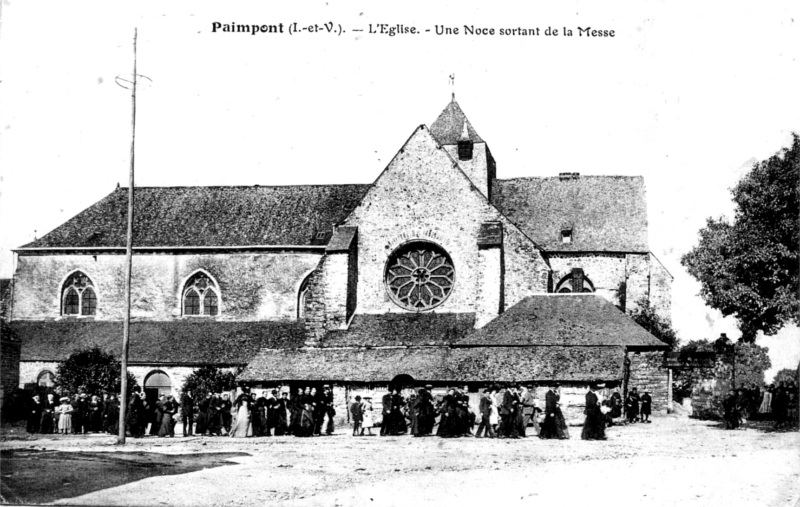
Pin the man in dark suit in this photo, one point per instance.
(386, 410)
(329, 410)
(528, 401)
(508, 413)
(187, 413)
(485, 408)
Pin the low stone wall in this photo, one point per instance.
(647, 373)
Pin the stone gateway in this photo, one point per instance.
(436, 273)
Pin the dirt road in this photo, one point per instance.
(674, 461)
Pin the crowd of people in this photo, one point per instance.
(78, 414)
(778, 403)
(501, 412)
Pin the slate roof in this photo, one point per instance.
(391, 329)
(438, 364)
(211, 216)
(605, 213)
(449, 126)
(563, 320)
(179, 342)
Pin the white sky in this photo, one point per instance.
(687, 94)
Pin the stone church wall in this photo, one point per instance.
(660, 289)
(606, 271)
(253, 286)
(413, 200)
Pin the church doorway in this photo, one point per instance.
(403, 381)
(155, 384)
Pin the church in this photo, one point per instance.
(438, 272)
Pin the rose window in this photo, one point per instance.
(419, 276)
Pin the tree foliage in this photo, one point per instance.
(750, 268)
(786, 375)
(208, 379)
(647, 317)
(91, 371)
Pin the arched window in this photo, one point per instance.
(575, 282)
(78, 296)
(302, 295)
(46, 379)
(157, 383)
(200, 296)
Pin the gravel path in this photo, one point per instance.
(674, 461)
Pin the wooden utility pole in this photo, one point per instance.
(126, 327)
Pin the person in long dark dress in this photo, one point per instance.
(426, 415)
(647, 407)
(306, 422)
(411, 414)
(111, 414)
(398, 421)
(134, 416)
(95, 415)
(34, 415)
(296, 410)
(386, 412)
(202, 415)
(448, 424)
(561, 423)
(594, 427)
(227, 412)
(156, 414)
(549, 428)
(330, 410)
(168, 410)
(259, 416)
(632, 406)
(78, 413)
(616, 404)
(281, 423)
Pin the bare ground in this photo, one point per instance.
(674, 461)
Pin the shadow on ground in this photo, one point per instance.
(32, 477)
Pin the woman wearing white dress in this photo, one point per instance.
(64, 416)
(494, 416)
(242, 428)
(366, 412)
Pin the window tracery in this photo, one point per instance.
(419, 276)
(200, 296)
(78, 296)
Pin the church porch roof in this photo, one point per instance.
(569, 320)
(190, 342)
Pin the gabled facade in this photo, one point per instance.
(357, 284)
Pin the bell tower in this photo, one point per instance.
(455, 133)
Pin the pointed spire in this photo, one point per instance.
(449, 126)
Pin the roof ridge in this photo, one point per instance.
(250, 186)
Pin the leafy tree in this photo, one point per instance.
(208, 379)
(645, 315)
(786, 375)
(750, 268)
(91, 371)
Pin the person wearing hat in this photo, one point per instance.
(594, 427)
(366, 415)
(65, 416)
(647, 406)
